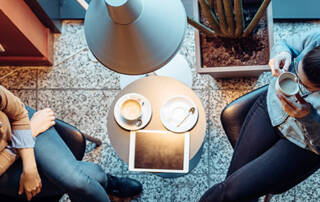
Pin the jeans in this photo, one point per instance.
(60, 172)
(263, 161)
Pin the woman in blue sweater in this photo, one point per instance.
(279, 143)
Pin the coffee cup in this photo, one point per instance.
(131, 110)
(287, 84)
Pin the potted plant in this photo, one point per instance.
(232, 41)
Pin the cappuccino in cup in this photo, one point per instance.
(130, 109)
(286, 83)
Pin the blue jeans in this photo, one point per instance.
(59, 171)
(263, 161)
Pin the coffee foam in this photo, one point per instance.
(288, 85)
(130, 109)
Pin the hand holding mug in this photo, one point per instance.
(296, 110)
(286, 86)
(279, 63)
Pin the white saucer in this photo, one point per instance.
(146, 112)
(174, 110)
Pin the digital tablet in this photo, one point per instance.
(159, 151)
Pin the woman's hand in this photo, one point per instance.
(280, 61)
(296, 110)
(41, 121)
(30, 183)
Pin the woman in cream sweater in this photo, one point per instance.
(43, 151)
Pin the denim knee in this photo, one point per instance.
(100, 175)
(78, 183)
(74, 181)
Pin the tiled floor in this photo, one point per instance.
(81, 91)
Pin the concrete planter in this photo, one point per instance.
(231, 71)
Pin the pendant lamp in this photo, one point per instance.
(134, 36)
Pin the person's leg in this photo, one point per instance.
(256, 136)
(121, 187)
(57, 163)
(281, 167)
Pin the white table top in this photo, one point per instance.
(156, 89)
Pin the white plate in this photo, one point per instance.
(146, 112)
(174, 110)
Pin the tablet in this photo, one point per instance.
(159, 151)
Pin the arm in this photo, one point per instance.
(22, 140)
(311, 122)
(283, 52)
(30, 181)
(296, 44)
(14, 109)
(307, 116)
(19, 120)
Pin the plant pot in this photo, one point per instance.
(231, 71)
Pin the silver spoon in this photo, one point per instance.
(191, 111)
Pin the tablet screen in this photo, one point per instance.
(159, 151)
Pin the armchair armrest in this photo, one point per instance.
(73, 137)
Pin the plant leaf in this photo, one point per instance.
(222, 18)
(213, 22)
(238, 12)
(256, 18)
(229, 15)
(201, 27)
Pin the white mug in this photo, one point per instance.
(287, 84)
(131, 110)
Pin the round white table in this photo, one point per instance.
(157, 89)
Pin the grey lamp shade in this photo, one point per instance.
(135, 36)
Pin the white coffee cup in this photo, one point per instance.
(287, 84)
(131, 110)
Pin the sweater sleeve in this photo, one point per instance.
(14, 109)
(296, 44)
(19, 120)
